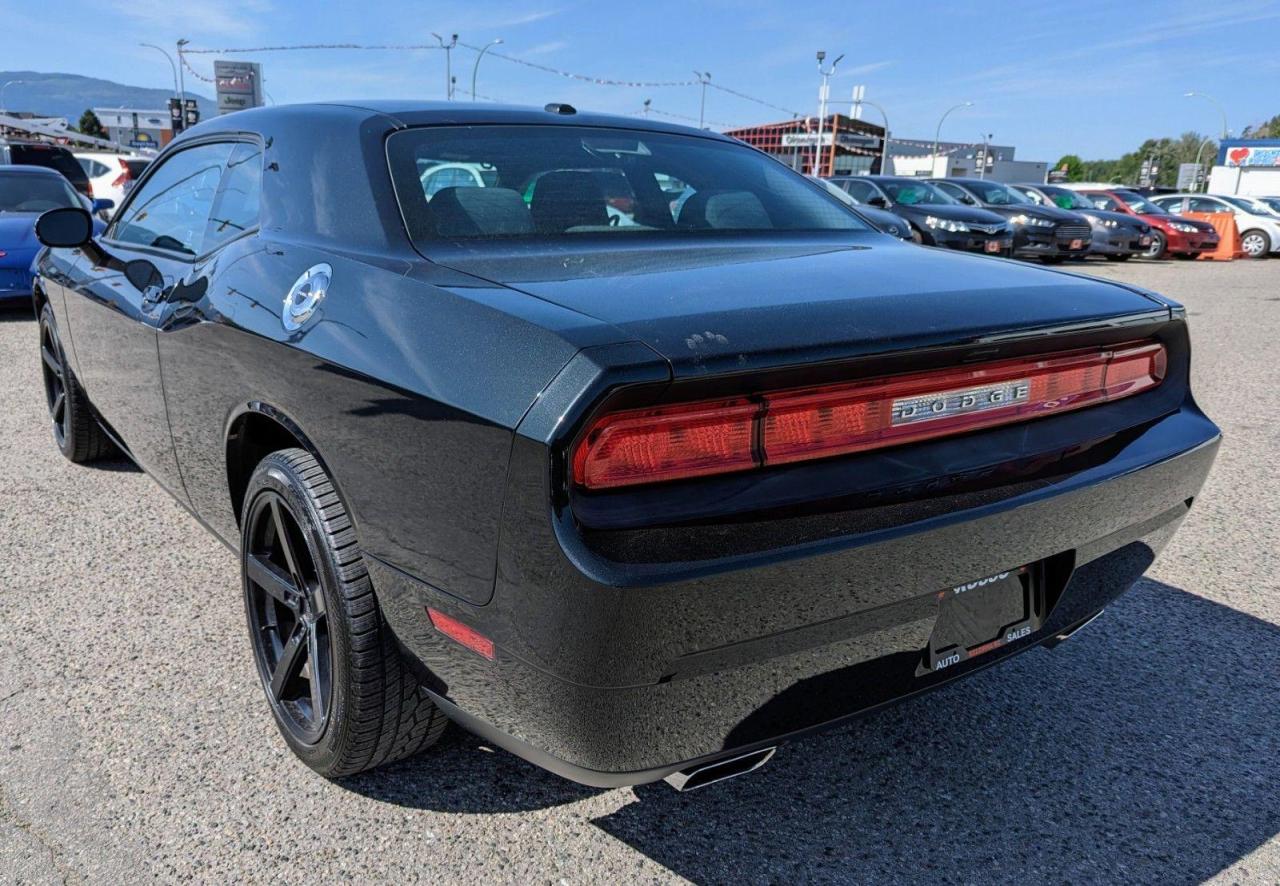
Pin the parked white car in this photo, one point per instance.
(1259, 227)
(112, 175)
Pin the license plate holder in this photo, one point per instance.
(992, 246)
(983, 615)
(1077, 244)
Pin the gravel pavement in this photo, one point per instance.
(135, 745)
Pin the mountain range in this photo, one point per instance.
(68, 95)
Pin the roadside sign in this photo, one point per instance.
(239, 85)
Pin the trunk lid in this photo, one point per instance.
(733, 306)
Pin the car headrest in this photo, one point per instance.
(564, 200)
(479, 212)
(736, 210)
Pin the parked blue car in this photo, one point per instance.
(25, 192)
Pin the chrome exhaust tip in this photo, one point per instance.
(1072, 631)
(719, 770)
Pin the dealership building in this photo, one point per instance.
(848, 146)
(1247, 166)
(133, 129)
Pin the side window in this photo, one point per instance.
(1030, 195)
(171, 210)
(1102, 201)
(955, 191)
(236, 208)
(1204, 204)
(860, 191)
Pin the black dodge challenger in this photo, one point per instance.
(620, 444)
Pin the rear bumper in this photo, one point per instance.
(609, 685)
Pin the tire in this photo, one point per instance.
(76, 431)
(340, 692)
(1159, 243)
(1123, 256)
(1255, 243)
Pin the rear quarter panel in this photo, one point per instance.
(407, 392)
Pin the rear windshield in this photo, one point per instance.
(20, 192)
(529, 182)
(51, 157)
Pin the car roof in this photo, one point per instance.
(26, 169)
(404, 114)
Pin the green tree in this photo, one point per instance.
(1073, 165)
(1266, 129)
(1165, 153)
(90, 124)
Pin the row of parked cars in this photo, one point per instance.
(1054, 223)
(36, 177)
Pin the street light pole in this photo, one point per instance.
(703, 78)
(476, 67)
(1195, 185)
(168, 58)
(823, 92)
(937, 133)
(1216, 104)
(884, 142)
(182, 78)
(448, 62)
(986, 154)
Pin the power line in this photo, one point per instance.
(570, 75)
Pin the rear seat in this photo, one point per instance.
(479, 212)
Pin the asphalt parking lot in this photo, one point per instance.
(135, 744)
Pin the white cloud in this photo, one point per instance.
(165, 20)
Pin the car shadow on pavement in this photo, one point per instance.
(1147, 749)
(17, 310)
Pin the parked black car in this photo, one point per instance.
(1044, 232)
(1116, 235)
(935, 218)
(881, 219)
(634, 501)
(17, 152)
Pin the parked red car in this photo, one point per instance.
(1170, 234)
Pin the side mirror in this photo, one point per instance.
(67, 227)
(144, 276)
(879, 202)
(101, 204)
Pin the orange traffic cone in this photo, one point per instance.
(1228, 235)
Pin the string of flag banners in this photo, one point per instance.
(549, 69)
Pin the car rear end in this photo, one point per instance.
(704, 555)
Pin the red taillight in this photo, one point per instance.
(460, 633)
(124, 176)
(714, 437)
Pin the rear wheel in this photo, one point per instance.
(75, 430)
(338, 688)
(1256, 244)
(1159, 243)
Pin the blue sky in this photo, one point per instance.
(1089, 76)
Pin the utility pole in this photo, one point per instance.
(448, 62)
(823, 93)
(704, 79)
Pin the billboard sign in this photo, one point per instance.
(239, 85)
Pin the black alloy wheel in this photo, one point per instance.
(342, 695)
(55, 381)
(288, 622)
(75, 429)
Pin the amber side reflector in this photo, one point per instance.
(460, 633)
(720, 436)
